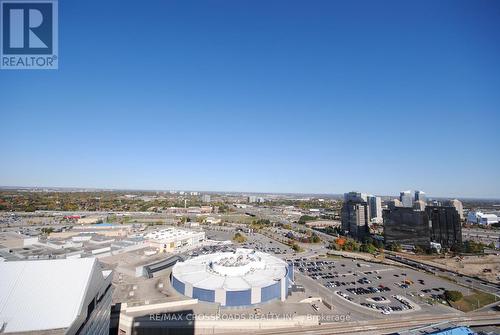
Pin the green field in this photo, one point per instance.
(473, 301)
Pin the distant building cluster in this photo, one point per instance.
(416, 221)
(189, 210)
(410, 219)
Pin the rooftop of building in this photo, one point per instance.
(42, 295)
(170, 233)
(232, 271)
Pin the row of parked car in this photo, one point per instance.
(379, 299)
(437, 289)
(368, 290)
(210, 250)
(343, 295)
(383, 309)
(406, 303)
(338, 283)
(261, 247)
(388, 309)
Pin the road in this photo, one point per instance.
(467, 281)
(387, 326)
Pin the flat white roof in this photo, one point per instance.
(44, 294)
(488, 216)
(231, 271)
(171, 234)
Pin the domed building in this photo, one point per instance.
(241, 278)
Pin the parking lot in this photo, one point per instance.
(254, 241)
(265, 244)
(377, 287)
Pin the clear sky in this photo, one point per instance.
(265, 96)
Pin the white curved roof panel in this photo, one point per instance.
(231, 271)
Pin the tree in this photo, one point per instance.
(394, 247)
(263, 222)
(431, 251)
(351, 245)
(315, 238)
(379, 243)
(223, 208)
(30, 208)
(47, 230)
(418, 249)
(239, 238)
(334, 231)
(453, 295)
(304, 218)
(334, 246)
(457, 247)
(474, 247)
(368, 247)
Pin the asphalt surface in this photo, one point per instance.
(470, 282)
(390, 276)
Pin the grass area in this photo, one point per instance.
(470, 302)
(239, 238)
(296, 247)
(427, 300)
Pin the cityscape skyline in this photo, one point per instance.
(176, 190)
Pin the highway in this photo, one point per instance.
(482, 233)
(467, 281)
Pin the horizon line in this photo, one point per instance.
(114, 189)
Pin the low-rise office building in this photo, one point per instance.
(171, 239)
(404, 225)
(439, 224)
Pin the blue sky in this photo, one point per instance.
(265, 96)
